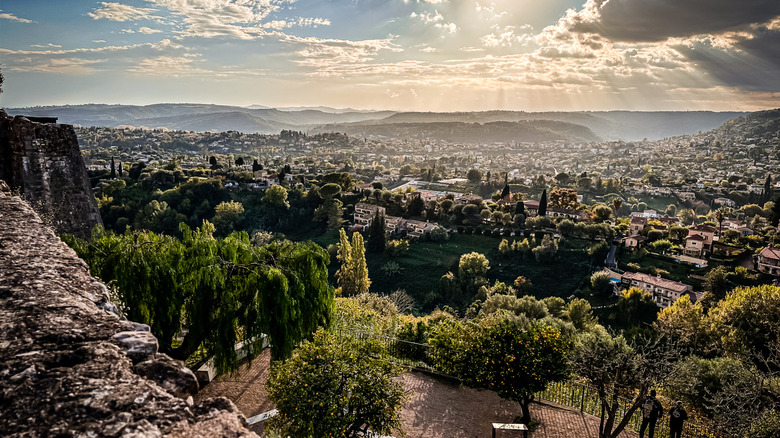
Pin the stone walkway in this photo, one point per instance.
(437, 408)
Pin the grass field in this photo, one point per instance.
(426, 262)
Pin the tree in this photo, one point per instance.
(330, 211)
(227, 215)
(547, 250)
(562, 178)
(221, 291)
(353, 273)
(2, 79)
(716, 285)
(256, 166)
(580, 313)
(213, 162)
(502, 355)
(563, 198)
(522, 285)
(747, 322)
(376, 233)
(474, 175)
(416, 206)
(616, 369)
(112, 174)
(473, 265)
(323, 390)
(617, 204)
(684, 323)
(276, 196)
(543, 204)
(239, 161)
(636, 306)
(601, 212)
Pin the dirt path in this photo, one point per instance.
(437, 408)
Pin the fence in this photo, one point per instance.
(572, 394)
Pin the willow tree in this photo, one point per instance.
(222, 291)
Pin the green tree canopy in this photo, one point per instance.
(336, 386)
(222, 291)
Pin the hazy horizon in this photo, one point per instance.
(396, 55)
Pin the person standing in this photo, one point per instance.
(676, 418)
(651, 412)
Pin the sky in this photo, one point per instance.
(419, 55)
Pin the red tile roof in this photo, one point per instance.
(770, 253)
(657, 281)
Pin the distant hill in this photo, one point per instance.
(611, 125)
(754, 127)
(197, 117)
(462, 132)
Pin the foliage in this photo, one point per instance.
(276, 196)
(501, 355)
(396, 247)
(336, 386)
(684, 322)
(228, 216)
(376, 234)
(473, 265)
(616, 369)
(564, 198)
(600, 282)
(636, 306)
(225, 290)
(547, 250)
(353, 273)
(747, 322)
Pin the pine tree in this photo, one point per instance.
(543, 203)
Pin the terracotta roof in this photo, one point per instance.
(770, 253)
(656, 281)
(705, 228)
(534, 204)
(638, 220)
(694, 237)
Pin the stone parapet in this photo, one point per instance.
(69, 365)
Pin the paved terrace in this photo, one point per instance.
(437, 409)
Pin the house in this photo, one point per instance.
(686, 196)
(364, 213)
(635, 241)
(531, 208)
(469, 199)
(663, 291)
(699, 240)
(568, 214)
(768, 261)
(637, 224)
(724, 202)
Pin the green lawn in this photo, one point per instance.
(426, 262)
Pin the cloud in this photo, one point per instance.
(322, 53)
(86, 60)
(12, 17)
(148, 31)
(119, 12)
(507, 36)
(657, 20)
(46, 46)
(428, 18)
(168, 66)
(447, 27)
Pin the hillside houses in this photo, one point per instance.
(768, 261)
(394, 225)
(664, 291)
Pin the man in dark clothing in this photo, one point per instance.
(651, 412)
(676, 418)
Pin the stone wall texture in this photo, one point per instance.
(69, 365)
(43, 162)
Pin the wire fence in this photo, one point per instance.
(569, 393)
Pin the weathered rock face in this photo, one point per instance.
(71, 367)
(43, 161)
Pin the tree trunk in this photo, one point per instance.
(188, 346)
(525, 406)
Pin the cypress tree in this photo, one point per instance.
(113, 168)
(376, 236)
(543, 203)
